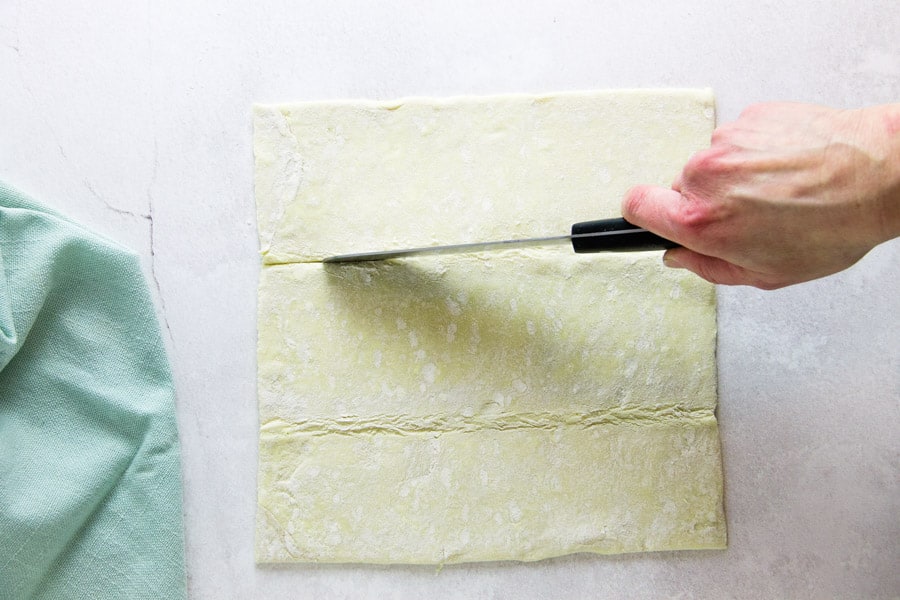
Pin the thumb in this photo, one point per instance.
(653, 208)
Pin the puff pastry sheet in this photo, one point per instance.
(514, 405)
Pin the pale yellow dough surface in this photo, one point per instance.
(504, 406)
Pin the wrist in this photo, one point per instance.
(891, 121)
(887, 122)
(880, 126)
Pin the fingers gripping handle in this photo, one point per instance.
(628, 237)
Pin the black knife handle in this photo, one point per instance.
(632, 238)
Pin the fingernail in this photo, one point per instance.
(670, 262)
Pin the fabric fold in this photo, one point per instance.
(8, 337)
(90, 500)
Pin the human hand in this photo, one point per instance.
(785, 194)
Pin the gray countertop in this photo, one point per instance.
(134, 118)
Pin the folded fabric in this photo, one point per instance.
(90, 477)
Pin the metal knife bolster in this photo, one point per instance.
(615, 235)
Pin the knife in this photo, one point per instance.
(605, 235)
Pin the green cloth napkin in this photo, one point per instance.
(90, 476)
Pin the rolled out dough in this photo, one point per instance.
(506, 406)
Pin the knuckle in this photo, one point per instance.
(714, 161)
(723, 134)
(720, 136)
(708, 169)
(697, 216)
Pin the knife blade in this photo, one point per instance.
(604, 235)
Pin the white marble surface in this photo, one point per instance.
(134, 118)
